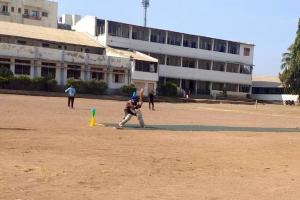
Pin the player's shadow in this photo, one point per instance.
(203, 128)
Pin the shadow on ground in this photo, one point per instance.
(202, 128)
(15, 129)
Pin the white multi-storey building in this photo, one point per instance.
(202, 65)
(31, 12)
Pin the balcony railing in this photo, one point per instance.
(4, 13)
(31, 17)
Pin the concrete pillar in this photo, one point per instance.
(196, 87)
(82, 72)
(197, 64)
(198, 45)
(225, 67)
(182, 39)
(213, 45)
(32, 69)
(227, 47)
(12, 65)
(210, 87)
(167, 35)
(181, 61)
(38, 70)
(58, 75)
(166, 59)
(130, 32)
(211, 65)
(64, 74)
(149, 40)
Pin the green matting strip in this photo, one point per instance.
(202, 128)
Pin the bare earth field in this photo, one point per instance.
(48, 151)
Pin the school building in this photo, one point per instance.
(200, 64)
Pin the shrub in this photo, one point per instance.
(19, 83)
(88, 87)
(5, 72)
(51, 85)
(128, 90)
(170, 89)
(3, 82)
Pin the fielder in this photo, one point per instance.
(133, 108)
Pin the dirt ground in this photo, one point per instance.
(48, 151)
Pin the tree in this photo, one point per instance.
(290, 75)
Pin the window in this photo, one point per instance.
(244, 88)
(97, 74)
(190, 41)
(203, 87)
(100, 29)
(44, 14)
(232, 87)
(204, 64)
(59, 46)
(48, 72)
(268, 90)
(23, 61)
(74, 71)
(220, 46)
(118, 29)
(158, 36)
(48, 64)
(174, 38)
(246, 69)
(144, 66)
(174, 61)
(35, 13)
(119, 76)
(218, 66)
(140, 33)
(205, 43)
(26, 12)
(19, 10)
(189, 62)
(233, 68)
(218, 86)
(12, 9)
(46, 45)
(7, 60)
(21, 69)
(4, 9)
(233, 48)
(247, 51)
(159, 57)
(21, 42)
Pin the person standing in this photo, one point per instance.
(151, 100)
(71, 91)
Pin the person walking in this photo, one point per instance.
(151, 100)
(71, 92)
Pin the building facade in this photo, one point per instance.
(31, 12)
(46, 52)
(201, 65)
(270, 88)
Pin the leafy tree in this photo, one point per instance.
(290, 75)
(5, 72)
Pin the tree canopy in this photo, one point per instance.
(290, 75)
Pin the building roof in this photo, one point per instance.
(129, 54)
(266, 81)
(46, 34)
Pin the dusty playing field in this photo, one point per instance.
(48, 151)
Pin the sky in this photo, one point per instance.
(269, 24)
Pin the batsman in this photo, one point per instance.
(133, 108)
